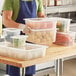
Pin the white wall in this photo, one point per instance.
(1, 4)
(73, 1)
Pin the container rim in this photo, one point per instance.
(19, 36)
(40, 19)
(11, 29)
(42, 29)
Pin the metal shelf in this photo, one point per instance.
(61, 9)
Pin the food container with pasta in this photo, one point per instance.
(43, 30)
(42, 36)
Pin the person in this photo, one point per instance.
(13, 13)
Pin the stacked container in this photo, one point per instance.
(43, 30)
(9, 32)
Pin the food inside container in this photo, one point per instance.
(63, 24)
(31, 51)
(42, 36)
(41, 23)
(43, 30)
(8, 32)
(64, 39)
(19, 41)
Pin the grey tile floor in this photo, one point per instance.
(2, 73)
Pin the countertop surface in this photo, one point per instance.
(53, 52)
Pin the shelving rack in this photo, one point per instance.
(59, 9)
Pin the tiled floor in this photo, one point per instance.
(2, 73)
(69, 68)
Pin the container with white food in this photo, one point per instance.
(42, 36)
(32, 51)
(43, 30)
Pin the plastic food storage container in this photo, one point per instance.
(43, 30)
(32, 51)
(19, 41)
(41, 23)
(8, 32)
(63, 24)
(72, 34)
(42, 36)
(65, 39)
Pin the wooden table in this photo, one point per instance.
(54, 52)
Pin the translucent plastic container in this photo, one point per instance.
(19, 41)
(8, 32)
(65, 39)
(41, 23)
(63, 24)
(42, 36)
(43, 30)
(32, 51)
(73, 35)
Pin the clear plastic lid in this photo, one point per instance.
(12, 30)
(19, 37)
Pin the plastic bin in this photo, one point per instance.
(65, 39)
(63, 24)
(19, 41)
(73, 35)
(32, 51)
(41, 23)
(43, 30)
(8, 32)
(42, 36)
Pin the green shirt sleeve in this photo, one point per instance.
(40, 6)
(7, 5)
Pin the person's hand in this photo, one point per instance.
(27, 30)
(41, 15)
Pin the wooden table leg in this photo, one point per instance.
(59, 67)
(22, 71)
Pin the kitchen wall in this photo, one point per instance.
(73, 1)
(1, 4)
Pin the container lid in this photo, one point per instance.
(19, 37)
(40, 19)
(11, 29)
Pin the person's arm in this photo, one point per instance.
(7, 19)
(40, 12)
(7, 13)
(9, 23)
